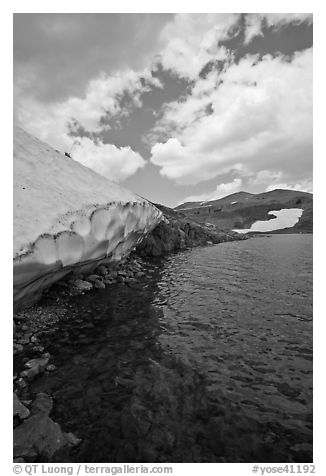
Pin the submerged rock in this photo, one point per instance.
(19, 409)
(34, 367)
(43, 404)
(39, 436)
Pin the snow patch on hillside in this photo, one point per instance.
(285, 218)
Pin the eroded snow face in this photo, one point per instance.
(67, 217)
(285, 218)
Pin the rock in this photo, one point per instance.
(21, 383)
(72, 439)
(19, 460)
(30, 373)
(39, 436)
(82, 285)
(99, 284)
(38, 348)
(63, 284)
(43, 403)
(93, 277)
(50, 368)
(102, 270)
(34, 367)
(18, 347)
(23, 341)
(20, 409)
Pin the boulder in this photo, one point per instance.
(42, 404)
(19, 409)
(102, 270)
(34, 367)
(39, 436)
(99, 284)
(83, 285)
(93, 277)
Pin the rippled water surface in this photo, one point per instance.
(207, 358)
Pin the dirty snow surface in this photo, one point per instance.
(66, 214)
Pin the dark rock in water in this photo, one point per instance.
(20, 409)
(38, 348)
(34, 367)
(43, 404)
(82, 285)
(21, 383)
(18, 347)
(50, 368)
(39, 436)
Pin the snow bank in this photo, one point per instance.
(285, 218)
(67, 217)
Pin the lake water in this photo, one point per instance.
(207, 359)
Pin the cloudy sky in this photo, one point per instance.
(175, 107)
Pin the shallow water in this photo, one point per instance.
(208, 358)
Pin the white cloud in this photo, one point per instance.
(261, 115)
(266, 180)
(221, 191)
(191, 41)
(113, 162)
(254, 22)
(253, 27)
(53, 122)
(304, 186)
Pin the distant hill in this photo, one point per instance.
(240, 210)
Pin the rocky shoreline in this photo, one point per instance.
(36, 436)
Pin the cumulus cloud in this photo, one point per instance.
(54, 123)
(254, 22)
(113, 162)
(242, 119)
(221, 191)
(304, 186)
(260, 114)
(191, 41)
(57, 54)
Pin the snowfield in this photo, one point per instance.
(285, 218)
(66, 216)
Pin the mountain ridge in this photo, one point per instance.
(241, 209)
